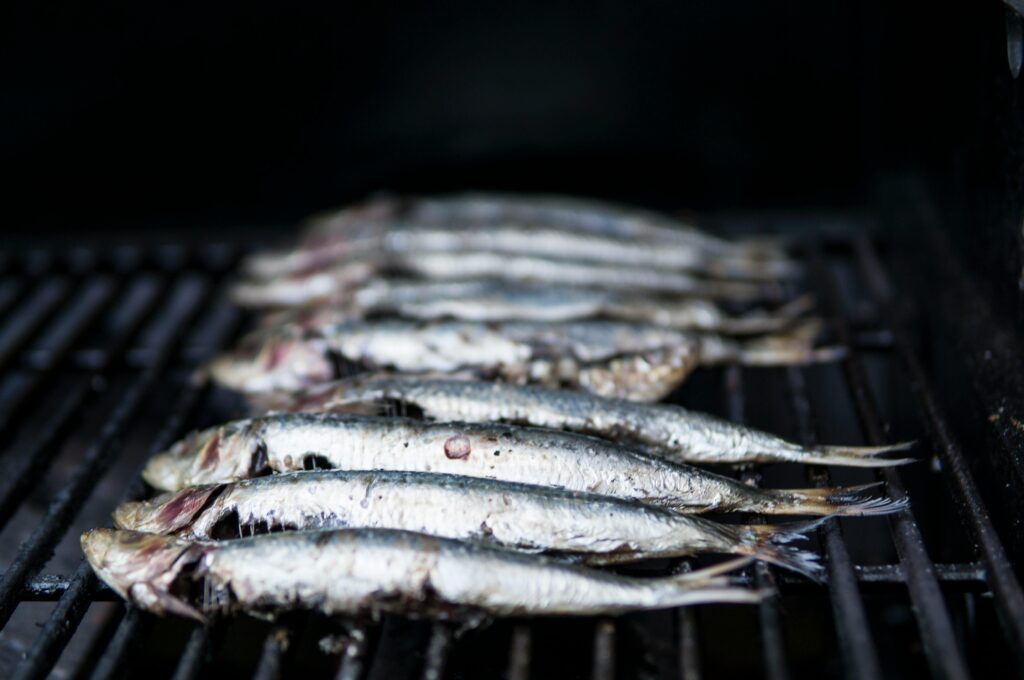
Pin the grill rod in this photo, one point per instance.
(1009, 599)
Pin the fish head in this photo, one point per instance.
(279, 361)
(145, 569)
(219, 454)
(168, 512)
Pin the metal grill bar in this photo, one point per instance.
(50, 587)
(353, 658)
(941, 649)
(73, 604)
(689, 648)
(437, 651)
(860, 658)
(604, 650)
(118, 651)
(94, 463)
(194, 655)
(75, 323)
(269, 666)
(519, 653)
(16, 334)
(1009, 599)
(41, 452)
(772, 644)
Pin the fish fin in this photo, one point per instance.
(794, 347)
(857, 456)
(843, 500)
(769, 321)
(712, 575)
(771, 543)
(745, 268)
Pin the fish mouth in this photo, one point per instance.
(145, 569)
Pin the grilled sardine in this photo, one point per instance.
(665, 430)
(292, 442)
(597, 529)
(635, 361)
(370, 572)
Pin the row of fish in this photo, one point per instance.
(499, 446)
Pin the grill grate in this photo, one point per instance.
(96, 353)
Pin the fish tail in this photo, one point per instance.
(857, 456)
(771, 543)
(708, 585)
(762, 321)
(714, 595)
(794, 347)
(842, 500)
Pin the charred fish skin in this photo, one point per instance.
(290, 442)
(665, 430)
(514, 516)
(369, 572)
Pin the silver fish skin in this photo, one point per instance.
(343, 277)
(293, 442)
(488, 300)
(620, 359)
(665, 430)
(597, 529)
(583, 215)
(370, 572)
(516, 239)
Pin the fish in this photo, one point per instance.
(582, 215)
(411, 241)
(488, 300)
(340, 278)
(292, 442)
(665, 430)
(369, 572)
(611, 358)
(595, 529)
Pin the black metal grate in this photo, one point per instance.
(97, 349)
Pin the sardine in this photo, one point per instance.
(597, 529)
(621, 359)
(411, 241)
(339, 278)
(371, 572)
(487, 300)
(583, 215)
(293, 442)
(669, 431)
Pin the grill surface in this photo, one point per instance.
(97, 349)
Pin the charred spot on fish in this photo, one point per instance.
(457, 447)
(497, 453)
(312, 461)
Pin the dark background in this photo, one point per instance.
(133, 115)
